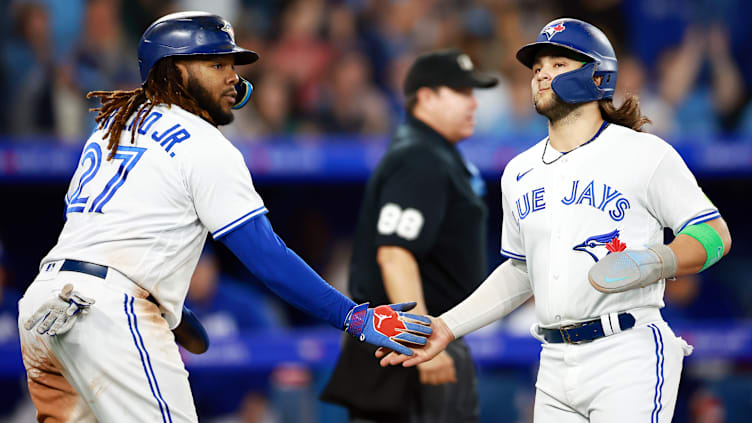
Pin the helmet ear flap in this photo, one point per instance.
(244, 89)
(578, 86)
(580, 39)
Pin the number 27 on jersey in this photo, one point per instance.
(90, 164)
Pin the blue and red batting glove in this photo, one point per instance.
(388, 326)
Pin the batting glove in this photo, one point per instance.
(388, 325)
(59, 314)
(625, 270)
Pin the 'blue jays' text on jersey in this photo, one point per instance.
(614, 193)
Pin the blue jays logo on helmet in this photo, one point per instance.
(550, 31)
(228, 29)
(610, 241)
(585, 41)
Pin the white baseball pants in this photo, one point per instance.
(119, 363)
(628, 377)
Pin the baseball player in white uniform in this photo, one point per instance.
(152, 181)
(583, 217)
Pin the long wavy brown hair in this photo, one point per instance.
(164, 86)
(628, 114)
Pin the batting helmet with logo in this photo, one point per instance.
(588, 43)
(192, 34)
(189, 34)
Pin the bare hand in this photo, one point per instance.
(436, 343)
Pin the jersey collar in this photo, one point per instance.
(428, 132)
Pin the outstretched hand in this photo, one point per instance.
(437, 342)
(388, 326)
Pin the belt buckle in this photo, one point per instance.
(565, 335)
(564, 331)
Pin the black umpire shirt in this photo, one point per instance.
(420, 198)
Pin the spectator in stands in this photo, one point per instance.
(65, 25)
(714, 30)
(678, 70)
(300, 53)
(729, 91)
(504, 116)
(100, 59)
(137, 15)
(347, 31)
(342, 28)
(633, 80)
(703, 100)
(254, 408)
(395, 76)
(28, 71)
(350, 103)
(270, 112)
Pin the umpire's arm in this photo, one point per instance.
(402, 283)
(399, 270)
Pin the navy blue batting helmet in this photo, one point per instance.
(189, 34)
(587, 42)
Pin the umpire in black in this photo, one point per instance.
(421, 236)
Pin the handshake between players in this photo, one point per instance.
(616, 272)
(386, 326)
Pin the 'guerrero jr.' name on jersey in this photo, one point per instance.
(146, 211)
(599, 196)
(167, 135)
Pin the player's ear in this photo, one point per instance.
(182, 67)
(598, 80)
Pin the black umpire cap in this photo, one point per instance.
(451, 68)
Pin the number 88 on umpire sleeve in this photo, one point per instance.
(405, 223)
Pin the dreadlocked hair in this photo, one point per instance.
(163, 86)
(628, 114)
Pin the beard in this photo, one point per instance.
(556, 109)
(206, 102)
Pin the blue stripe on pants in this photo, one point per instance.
(150, 377)
(658, 397)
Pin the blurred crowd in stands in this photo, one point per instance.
(336, 66)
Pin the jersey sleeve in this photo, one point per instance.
(511, 238)
(675, 198)
(412, 204)
(222, 189)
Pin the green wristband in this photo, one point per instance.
(710, 240)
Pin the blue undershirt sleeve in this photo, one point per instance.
(285, 273)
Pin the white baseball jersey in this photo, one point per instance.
(147, 211)
(617, 192)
